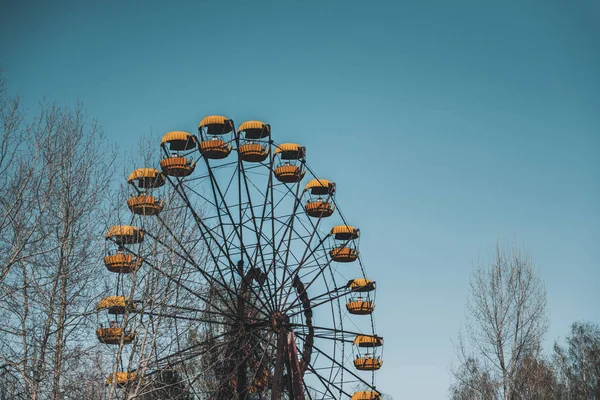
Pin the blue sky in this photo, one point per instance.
(446, 125)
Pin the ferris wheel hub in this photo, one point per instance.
(279, 320)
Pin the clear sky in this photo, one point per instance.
(446, 124)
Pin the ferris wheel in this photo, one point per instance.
(237, 276)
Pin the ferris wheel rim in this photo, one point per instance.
(270, 303)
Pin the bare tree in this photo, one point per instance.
(506, 319)
(536, 380)
(57, 197)
(56, 171)
(579, 363)
(22, 168)
(473, 383)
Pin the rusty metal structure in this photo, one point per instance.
(281, 304)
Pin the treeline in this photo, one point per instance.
(55, 170)
(61, 186)
(500, 348)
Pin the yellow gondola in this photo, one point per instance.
(368, 363)
(366, 395)
(177, 166)
(116, 305)
(146, 178)
(145, 205)
(343, 254)
(113, 336)
(122, 263)
(179, 141)
(216, 125)
(346, 252)
(319, 209)
(361, 285)
(251, 147)
(368, 341)
(215, 149)
(320, 187)
(288, 171)
(253, 152)
(254, 130)
(290, 151)
(260, 382)
(360, 306)
(121, 378)
(125, 234)
(344, 232)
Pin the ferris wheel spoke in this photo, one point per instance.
(217, 190)
(276, 348)
(260, 233)
(326, 383)
(277, 252)
(267, 348)
(208, 277)
(307, 389)
(340, 365)
(188, 257)
(320, 271)
(202, 227)
(257, 229)
(185, 366)
(302, 261)
(200, 176)
(191, 382)
(220, 202)
(204, 199)
(344, 290)
(219, 312)
(313, 306)
(268, 195)
(227, 263)
(269, 242)
(177, 281)
(297, 203)
(289, 240)
(288, 225)
(344, 333)
(236, 363)
(189, 318)
(182, 355)
(243, 367)
(208, 312)
(312, 229)
(297, 270)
